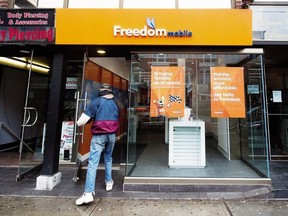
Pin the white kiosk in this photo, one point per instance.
(187, 144)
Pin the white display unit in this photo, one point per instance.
(187, 144)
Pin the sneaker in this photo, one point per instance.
(85, 198)
(109, 186)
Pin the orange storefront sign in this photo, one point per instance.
(154, 27)
(167, 92)
(227, 92)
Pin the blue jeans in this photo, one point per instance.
(99, 143)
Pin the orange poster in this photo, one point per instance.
(167, 91)
(227, 92)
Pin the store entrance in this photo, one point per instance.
(277, 99)
(84, 79)
(277, 96)
(24, 84)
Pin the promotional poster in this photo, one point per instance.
(167, 91)
(227, 92)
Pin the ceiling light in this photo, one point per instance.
(24, 51)
(22, 65)
(101, 51)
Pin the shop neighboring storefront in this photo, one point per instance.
(193, 106)
(269, 33)
(25, 86)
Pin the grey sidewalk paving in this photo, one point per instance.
(69, 188)
(32, 206)
(21, 198)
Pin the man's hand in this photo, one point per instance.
(83, 119)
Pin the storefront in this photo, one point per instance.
(268, 33)
(221, 131)
(194, 99)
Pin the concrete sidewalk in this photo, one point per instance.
(32, 206)
(21, 198)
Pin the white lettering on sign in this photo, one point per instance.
(144, 32)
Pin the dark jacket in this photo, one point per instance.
(104, 113)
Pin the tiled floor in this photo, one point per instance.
(154, 162)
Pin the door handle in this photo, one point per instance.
(78, 100)
(76, 117)
(83, 127)
(28, 110)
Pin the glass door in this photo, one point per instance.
(254, 127)
(87, 91)
(277, 95)
(94, 74)
(81, 140)
(32, 137)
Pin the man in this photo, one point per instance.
(104, 113)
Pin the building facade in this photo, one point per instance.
(193, 94)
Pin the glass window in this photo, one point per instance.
(94, 4)
(270, 23)
(50, 4)
(197, 115)
(274, 1)
(148, 4)
(204, 4)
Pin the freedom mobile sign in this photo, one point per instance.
(169, 27)
(227, 92)
(27, 26)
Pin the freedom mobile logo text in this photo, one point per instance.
(150, 30)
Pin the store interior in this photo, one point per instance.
(233, 147)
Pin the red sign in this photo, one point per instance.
(33, 26)
(27, 34)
